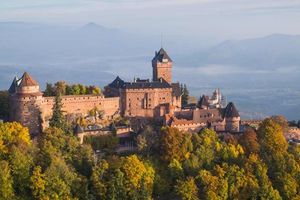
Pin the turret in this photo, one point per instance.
(162, 66)
(232, 118)
(25, 99)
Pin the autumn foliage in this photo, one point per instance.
(170, 164)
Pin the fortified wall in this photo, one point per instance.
(29, 107)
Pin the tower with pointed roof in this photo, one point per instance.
(25, 99)
(162, 66)
(232, 118)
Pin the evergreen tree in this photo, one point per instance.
(58, 119)
(185, 95)
(49, 91)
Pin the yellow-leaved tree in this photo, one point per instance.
(11, 134)
(138, 176)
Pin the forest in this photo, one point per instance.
(169, 164)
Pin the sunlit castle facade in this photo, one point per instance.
(158, 99)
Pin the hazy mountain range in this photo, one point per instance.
(259, 74)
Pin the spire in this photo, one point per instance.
(12, 88)
(162, 56)
(27, 80)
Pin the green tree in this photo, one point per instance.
(4, 105)
(6, 181)
(98, 183)
(147, 141)
(83, 89)
(58, 119)
(187, 189)
(21, 163)
(116, 187)
(75, 89)
(254, 165)
(185, 95)
(49, 91)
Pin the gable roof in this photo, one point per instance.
(117, 83)
(231, 111)
(161, 55)
(27, 80)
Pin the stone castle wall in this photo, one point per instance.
(34, 111)
(145, 102)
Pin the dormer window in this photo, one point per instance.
(165, 60)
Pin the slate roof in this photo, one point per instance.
(12, 88)
(203, 101)
(27, 80)
(140, 85)
(117, 83)
(161, 55)
(231, 111)
(176, 89)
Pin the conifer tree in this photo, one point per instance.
(58, 119)
(185, 95)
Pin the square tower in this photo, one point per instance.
(162, 66)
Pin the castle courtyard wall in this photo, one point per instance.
(80, 105)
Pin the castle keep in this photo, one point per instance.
(158, 98)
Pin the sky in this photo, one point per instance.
(209, 19)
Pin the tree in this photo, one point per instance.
(38, 183)
(75, 90)
(174, 144)
(147, 141)
(271, 138)
(249, 141)
(185, 95)
(212, 187)
(58, 119)
(187, 189)
(98, 184)
(134, 172)
(60, 88)
(116, 188)
(4, 105)
(94, 90)
(49, 91)
(6, 181)
(83, 89)
(282, 121)
(12, 133)
(21, 163)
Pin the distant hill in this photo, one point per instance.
(268, 52)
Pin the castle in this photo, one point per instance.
(158, 99)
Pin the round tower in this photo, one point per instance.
(232, 118)
(25, 100)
